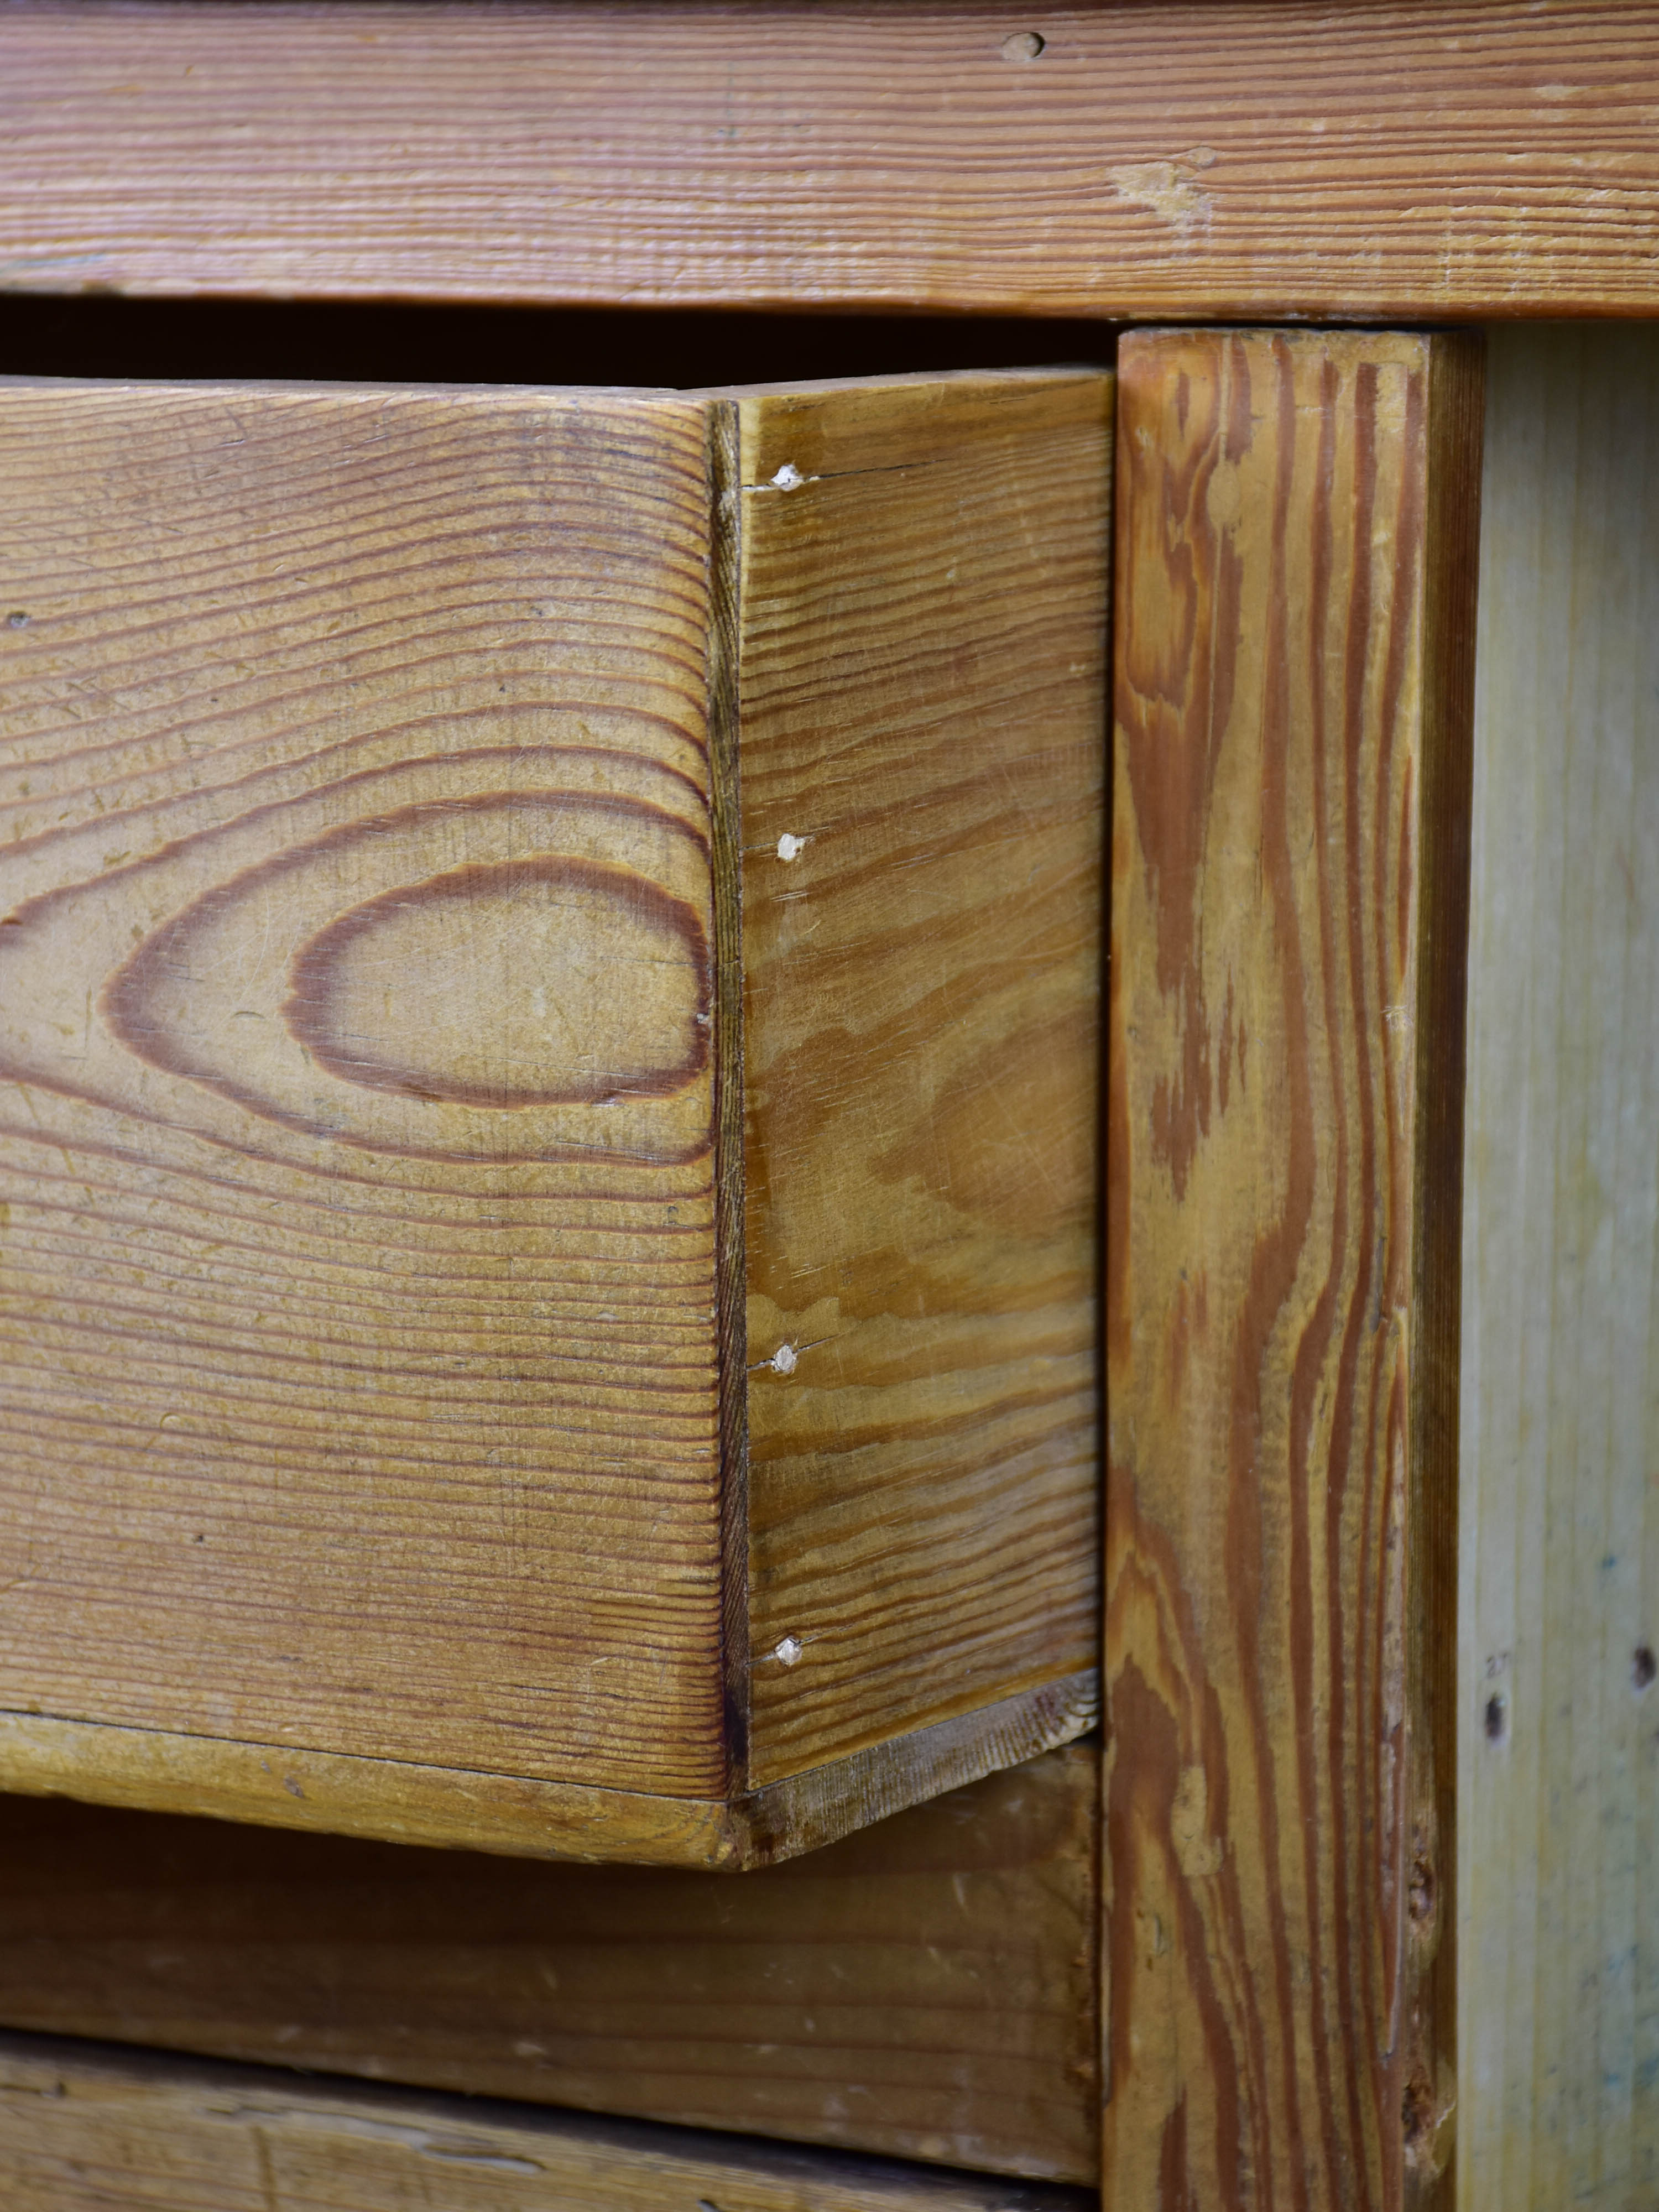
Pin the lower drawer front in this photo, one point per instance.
(925, 1989)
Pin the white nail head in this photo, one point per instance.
(789, 1650)
(789, 847)
(788, 478)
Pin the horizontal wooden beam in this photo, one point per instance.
(923, 1989)
(1487, 158)
(83, 2127)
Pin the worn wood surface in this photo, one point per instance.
(360, 1391)
(373, 1397)
(283, 1786)
(923, 758)
(1558, 1799)
(1293, 648)
(925, 1989)
(1487, 157)
(84, 2128)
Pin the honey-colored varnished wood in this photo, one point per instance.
(1293, 670)
(1413, 158)
(1559, 1685)
(85, 2127)
(359, 1390)
(925, 1989)
(923, 764)
(378, 1121)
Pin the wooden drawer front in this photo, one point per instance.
(403, 1016)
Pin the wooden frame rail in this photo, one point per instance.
(1272, 159)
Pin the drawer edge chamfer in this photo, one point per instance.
(272, 1785)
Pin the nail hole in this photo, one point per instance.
(1643, 1666)
(17, 619)
(1497, 1719)
(1022, 46)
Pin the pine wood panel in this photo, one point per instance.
(1559, 1716)
(923, 762)
(374, 1128)
(1292, 664)
(359, 1391)
(925, 1989)
(84, 2127)
(1489, 157)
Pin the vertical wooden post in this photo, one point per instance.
(1297, 531)
(1559, 1772)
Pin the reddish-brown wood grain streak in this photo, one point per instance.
(1275, 703)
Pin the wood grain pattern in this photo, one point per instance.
(344, 1409)
(374, 1128)
(1488, 157)
(923, 764)
(84, 2127)
(925, 1989)
(1559, 1716)
(288, 1786)
(1295, 576)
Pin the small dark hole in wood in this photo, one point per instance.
(1022, 46)
(1497, 1719)
(17, 619)
(1643, 1666)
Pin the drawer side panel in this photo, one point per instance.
(924, 624)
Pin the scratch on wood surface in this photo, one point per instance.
(1170, 189)
(415, 2138)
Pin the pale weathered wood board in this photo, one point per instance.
(1559, 1715)
(925, 1989)
(1292, 640)
(84, 2128)
(1409, 158)
(923, 717)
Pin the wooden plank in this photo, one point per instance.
(286, 1786)
(350, 1405)
(925, 1989)
(377, 1120)
(1293, 664)
(1559, 1805)
(923, 762)
(1410, 158)
(83, 2129)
